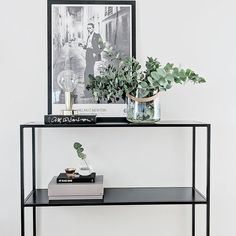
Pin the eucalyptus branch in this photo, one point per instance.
(125, 76)
(80, 151)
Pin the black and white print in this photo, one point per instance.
(80, 36)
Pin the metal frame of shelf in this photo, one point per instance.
(127, 196)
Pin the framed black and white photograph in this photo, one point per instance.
(79, 35)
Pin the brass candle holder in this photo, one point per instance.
(70, 172)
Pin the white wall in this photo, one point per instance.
(197, 34)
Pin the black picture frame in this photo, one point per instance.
(50, 5)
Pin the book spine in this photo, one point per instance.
(75, 190)
(63, 119)
(91, 180)
(85, 197)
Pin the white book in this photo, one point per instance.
(76, 197)
(76, 189)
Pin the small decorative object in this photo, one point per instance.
(70, 172)
(84, 168)
(124, 79)
(67, 80)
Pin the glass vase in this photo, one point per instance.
(143, 110)
(84, 168)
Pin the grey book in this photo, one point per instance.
(76, 197)
(76, 189)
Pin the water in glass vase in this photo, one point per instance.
(143, 110)
(84, 168)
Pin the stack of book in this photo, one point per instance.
(77, 188)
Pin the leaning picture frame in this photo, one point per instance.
(80, 33)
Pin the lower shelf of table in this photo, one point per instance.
(125, 196)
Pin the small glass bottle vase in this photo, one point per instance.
(84, 168)
(143, 110)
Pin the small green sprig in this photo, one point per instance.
(80, 150)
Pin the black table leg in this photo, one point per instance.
(193, 175)
(34, 178)
(22, 180)
(208, 180)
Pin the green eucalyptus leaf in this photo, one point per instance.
(163, 82)
(150, 80)
(168, 86)
(138, 67)
(178, 80)
(143, 93)
(188, 72)
(155, 75)
(170, 78)
(162, 89)
(82, 156)
(161, 72)
(140, 86)
(144, 84)
(168, 67)
(175, 72)
(77, 145)
(201, 80)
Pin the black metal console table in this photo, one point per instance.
(120, 196)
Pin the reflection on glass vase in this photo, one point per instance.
(143, 110)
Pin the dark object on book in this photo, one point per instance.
(63, 178)
(70, 119)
